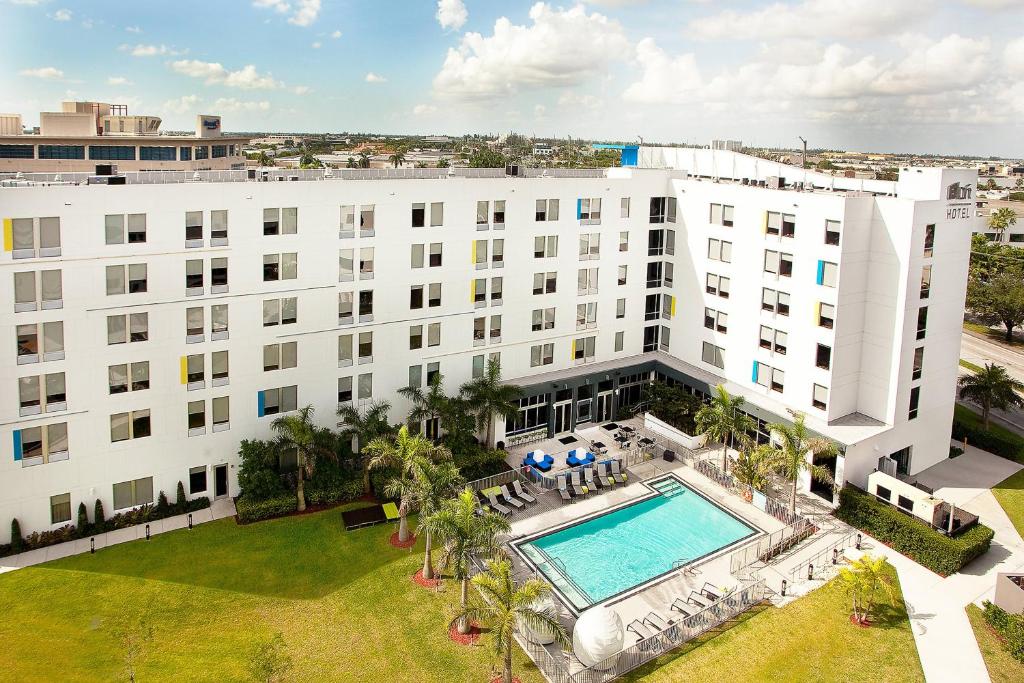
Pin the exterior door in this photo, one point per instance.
(584, 410)
(604, 406)
(220, 481)
(563, 418)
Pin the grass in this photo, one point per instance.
(997, 336)
(970, 366)
(1010, 494)
(810, 639)
(972, 419)
(1002, 667)
(344, 602)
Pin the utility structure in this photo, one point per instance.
(803, 160)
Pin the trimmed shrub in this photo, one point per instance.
(327, 493)
(41, 539)
(258, 477)
(97, 515)
(83, 520)
(942, 554)
(1009, 626)
(162, 506)
(17, 542)
(253, 511)
(479, 462)
(967, 424)
(181, 502)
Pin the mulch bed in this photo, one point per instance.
(399, 544)
(470, 638)
(426, 583)
(866, 623)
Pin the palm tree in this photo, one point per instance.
(364, 159)
(508, 606)
(362, 427)
(263, 159)
(428, 406)
(721, 420)
(862, 580)
(753, 466)
(991, 388)
(788, 453)
(397, 158)
(309, 442)
(491, 398)
(432, 485)
(1001, 219)
(406, 453)
(464, 534)
(443, 163)
(351, 163)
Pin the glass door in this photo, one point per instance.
(563, 418)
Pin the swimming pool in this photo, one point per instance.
(608, 554)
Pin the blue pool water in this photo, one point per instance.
(606, 555)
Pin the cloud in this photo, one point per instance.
(46, 73)
(30, 3)
(560, 48)
(664, 77)
(810, 19)
(182, 105)
(61, 15)
(994, 4)
(246, 78)
(1013, 56)
(302, 90)
(141, 50)
(451, 14)
(336, 34)
(133, 29)
(315, 45)
(302, 12)
(539, 111)
(423, 109)
(374, 78)
(230, 104)
(118, 80)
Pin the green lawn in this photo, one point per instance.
(970, 417)
(997, 336)
(970, 366)
(810, 639)
(343, 600)
(1002, 667)
(1010, 494)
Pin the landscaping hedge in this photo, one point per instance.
(253, 511)
(1009, 626)
(333, 492)
(942, 554)
(995, 439)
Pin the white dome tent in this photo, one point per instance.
(598, 636)
(541, 636)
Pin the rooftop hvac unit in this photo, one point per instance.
(745, 181)
(106, 169)
(512, 169)
(250, 173)
(775, 182)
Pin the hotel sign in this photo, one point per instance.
(960, 198)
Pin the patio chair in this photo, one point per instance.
(510, 498)
(577, 485)
(680, 605)
(605, 473)
(617, 475)
(657, 622)
(698, 599)
(496, 506)
(522, 493)
(563, 490)
(642, 631)
(592, 483)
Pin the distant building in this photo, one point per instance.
(437, 138)
(543, 149)
(728, 145)
(85, 134)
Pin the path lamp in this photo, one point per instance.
(190, 520)
(858, 541)
(92, 545)
(810, 571)
(147, 532)
(783, 588)
(835, 555)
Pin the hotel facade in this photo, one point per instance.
(153, 326)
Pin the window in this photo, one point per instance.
(218, 275)
(280, 267)
(929, 241)
(826, 315)
(620, 309)
(623, 240)
(623, 270)
(17, 152)
(769, 377)
(415, 337)
(918, 362)
(40, 445)
(196, 415)
(433, 295)
(416, 373)
(545, 246)
(495, 326)
(722, 214)
(497, 253)
(281, 221)
(774, 340)
(717, 285)
(922, 322)
(193, 229)
(366, 220)
(202, 152)
(31, 237)
(114, 228)
(280, 311)
(60, 508)
(624, 207)
(663, 210)
(915, 400)
(586, 281)
(365, 347)
(586, 315)
(719, 250)
(365, 386)
(344, 389)
(195, 371)
(583, 349)
(434, 334)
(129, 494)
(716, 320)
(620, 340)
(345, 357)
(823, 357)
(819, 397)
(590, 246)
(416, 296)
(185, 154)
(545, 283)
(926, 281)
(496, 290)
(415, 256)
(47, 393)
(828, 273)
(280, 356)
(193, 277)
(347, 224)
(713, 355)
(480, 253)
(196, 480)
(832, 233)
(419, 215)
(543, 319)
(366, 263)
(590, 211)
(280, 400)
(546, 210)
(128, 377)
(133, 425)
(483, 214)
(775, 301)
(38, 290)
(131, 328)
(778, 263)
(542, 354)
(136, 279)
(366, 305)
(479, 331)
(346, 270)
(219, 368)
(219, 228)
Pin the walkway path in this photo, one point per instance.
(224, 507)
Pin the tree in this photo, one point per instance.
(351, 163)
(490, 398)
(1000, 297)
(1001, 219)
(464, 534)
(397, 157)
(1020, 183)
(432, 484)
(133, 634)
(991, 387)
(364, 159)
(753, 466)
(405, 453)
(309, 161)
(427, 406)
(263, 159)
(309, 442)
(508, 606)
(862, 580)
(443, 163)
(788, 453)
(991, 185)
(485, 157)
(269, 661)
(362, 427)
(721, 420)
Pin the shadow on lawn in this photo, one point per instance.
(299, 558)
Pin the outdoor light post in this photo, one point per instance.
(190, 520)
(858, 542)
(810, 571)
(783, 588)
(835, 555)
(147, 532)
(92, 545)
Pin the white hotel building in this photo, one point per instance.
(152, 327)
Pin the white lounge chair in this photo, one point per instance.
(511, 499)
(592, 482)
(563, 489)
(577, 485)
(496, 506)
(522, 493)
(618, 476)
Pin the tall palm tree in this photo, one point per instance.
(464, 534)
(405, 453)
(397, 158)
(362, 427)
(1001, 219)
(364, 159)
(427, 406)
(443, 163)
(789, 450)
(432, 485)
(491, 398)
(721, 420)
(309, 442)
(991, 388)
(507, 606)
(753, 466)
(263, 159)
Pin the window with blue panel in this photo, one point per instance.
(61, 152)
(112, 152)
(186, 154)
(202, 152)
(17, 152)
(156, 153)
(220, 151)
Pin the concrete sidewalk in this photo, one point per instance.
(219, 509)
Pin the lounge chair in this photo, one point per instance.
(711, 592)
(618, 476)
(605, 473)
(698, 599)
(680, 605)
(592, 483)
(496, 506)
(640, 629)
(510, 498)
(577, 485)
(562, 489)
(522, 493)
(656, 621)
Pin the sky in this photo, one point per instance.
(938, 76)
